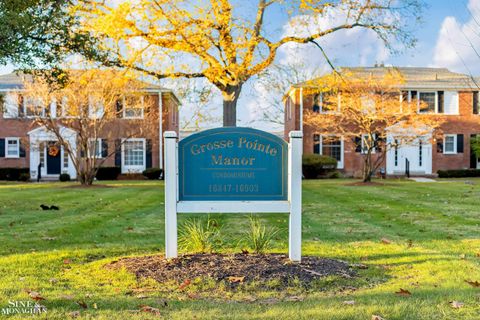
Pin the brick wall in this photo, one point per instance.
(116, 129)
(465, 123)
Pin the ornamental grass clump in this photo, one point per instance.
(199, 235)
(259, 237)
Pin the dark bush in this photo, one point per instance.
(315, 165)
(64, 177)
(108, 173)
(460, 173)
(13, 174)
(24, 176)
(152, 173)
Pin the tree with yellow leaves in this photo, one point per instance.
(91, 103)
(369, 110)
(228, 42)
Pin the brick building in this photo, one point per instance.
(452, 96)
(24, 144)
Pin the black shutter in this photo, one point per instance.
(459, 143)
(2, 148)
(148, 153)
(440, 102)
(22, 149)
(475, 102)
(379, 141)
(118, 153)
(440, 146)
(473, 156)
(413, 94)
(104, 148)
(119, 108)
(358, 144)
(316, 143)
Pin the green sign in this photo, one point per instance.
(232, 164)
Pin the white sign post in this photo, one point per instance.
(293, 205)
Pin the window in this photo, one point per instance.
(288, 108)
(475, 103)
(95, 109)
(42, 153)
(134, 153)
(331, 146)
(420, 153)
(428, 99)
(95, 148)
(65, 159)
(33, 107)
(368, 104)
(365, 143)
(133, 107)
(12, 148)
(326, 102)
(450, 144)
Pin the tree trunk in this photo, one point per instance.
(230, 98)
(367, 167)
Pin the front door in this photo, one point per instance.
(53, 158)
(416, 154)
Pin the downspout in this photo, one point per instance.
(301, 110)
(160, 127)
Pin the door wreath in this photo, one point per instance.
(53, 151)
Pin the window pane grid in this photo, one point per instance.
(134, 153)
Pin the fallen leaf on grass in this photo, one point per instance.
(294, 298)
(149, 309)
(349, 302)
(375, 317)
(385, 241)
(193, 296)
(35, 295)
(245, 251)
(235, 279)
(49, 238)
(185, 284)
(456, 304)
(475, 284)
(82, 304)
(95, 306)
(67, 297)
(74, 314)
(67, 261)
(403, 293)
(53, 280)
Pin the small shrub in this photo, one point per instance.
(24, 176)
(64, 177)
(314, 165)
(108, 173)
(199, 236)
(152, 173)
(12, 174)
(460, 173)
(333, 175)
(258, 237)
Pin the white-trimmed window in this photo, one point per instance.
(429, 100)
(329, 145)
(326, 103)
(133, 107)
(95, 109)
(364, 149)
(95, 148)
(33, 107)
(133, 155)
(12, 148)
(450, 144)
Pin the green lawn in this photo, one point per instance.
(433, 229)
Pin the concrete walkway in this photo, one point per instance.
(419, 179)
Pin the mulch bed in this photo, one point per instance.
(247, 267)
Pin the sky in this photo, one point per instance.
(448, 37)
